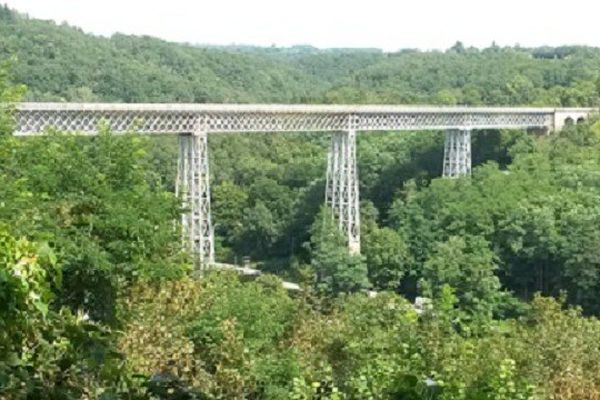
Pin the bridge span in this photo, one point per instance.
(194, 122)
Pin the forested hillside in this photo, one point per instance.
(60, 62)
(97, 299)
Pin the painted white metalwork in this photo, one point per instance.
(341, 192)
(193, 123)
(193, 187)
(35, 118)
(457, 153)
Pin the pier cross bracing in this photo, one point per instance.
(193, 123)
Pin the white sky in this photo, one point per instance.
(386, 24)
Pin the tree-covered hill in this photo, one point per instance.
(60, 62)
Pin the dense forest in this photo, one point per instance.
(97, 299)
(64, 63)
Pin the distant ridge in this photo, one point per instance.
(59, 62)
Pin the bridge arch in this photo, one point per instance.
(569, 116)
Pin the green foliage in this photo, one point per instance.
(537, 217)
(229, 202)
(155, 339)
(504, 387)
(60, 62)
(219, 335)
(96, 201)
(467, 265)
(9, 95)
(267, 190)
(80, 67)
(44, 352)
(26, 288)
(387, 257)
(260, 311)
(336, 270)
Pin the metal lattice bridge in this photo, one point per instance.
(194, 122)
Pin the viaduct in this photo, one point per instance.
(193, 123)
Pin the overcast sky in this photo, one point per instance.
(386, 24)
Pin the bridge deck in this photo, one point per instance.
(35, 118)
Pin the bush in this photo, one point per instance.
(46, 353)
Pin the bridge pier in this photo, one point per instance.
(457, 153)
(341, 191)
(193, 187)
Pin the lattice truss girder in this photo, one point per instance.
(341, 191)
(193, 187)
(31, 120)
(457, 153)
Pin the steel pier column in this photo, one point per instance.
(457, 153)
(193, 187)
(341, 192)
